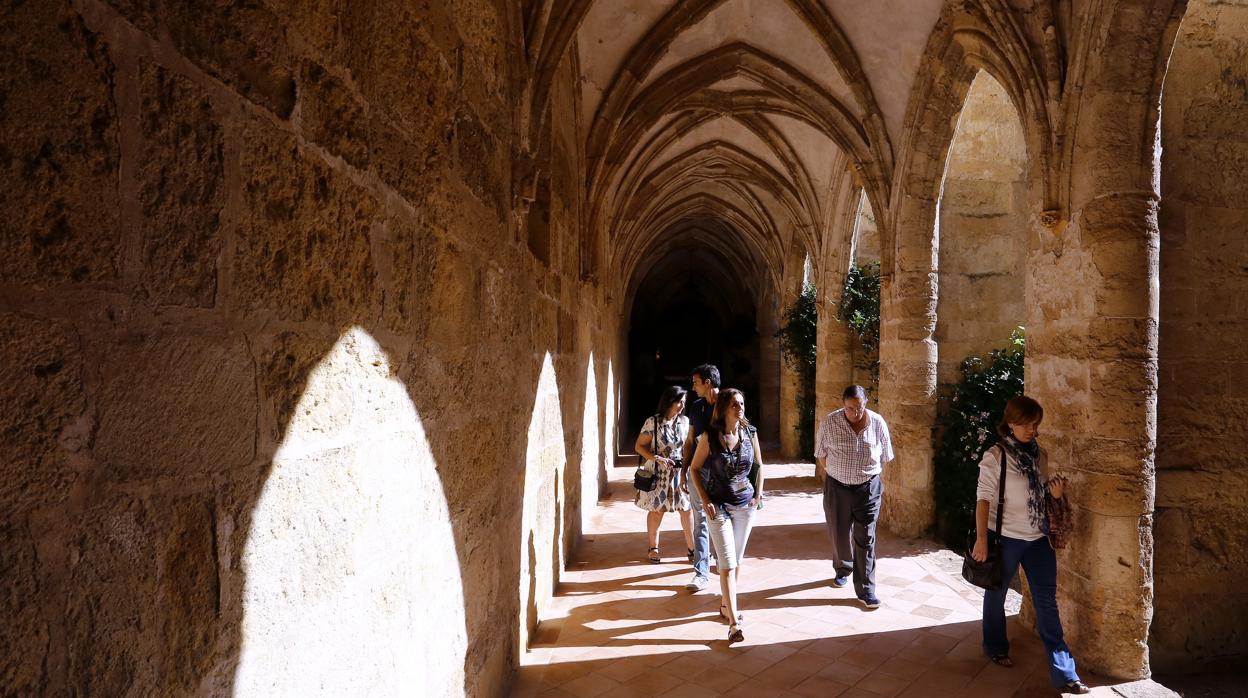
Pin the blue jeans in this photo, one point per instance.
(701, 538)
(1040, 564)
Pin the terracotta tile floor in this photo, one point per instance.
(621, 626)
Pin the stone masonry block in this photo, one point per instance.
(189, 591)
(240, 42)
(411, 253)
(43, 411)
(1122, 338)
(112, 604)
(181, 189)
(191, 397)
(403, 71)
(303, 249)
(141, 13)
(1112, 495)
(1119, 218)
(22, 672)
(58, 137)
(480, 162)
(333, 116)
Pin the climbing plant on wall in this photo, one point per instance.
(860, 309)
(967, 428)
(798, 344)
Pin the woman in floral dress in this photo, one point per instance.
(661, 452)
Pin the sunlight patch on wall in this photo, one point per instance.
(541, 535)
(352, 578)
(590, 446)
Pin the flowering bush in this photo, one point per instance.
(967, 428)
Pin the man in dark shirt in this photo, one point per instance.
(706, 384)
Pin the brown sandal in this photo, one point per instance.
(653, 555)
(1002, 660)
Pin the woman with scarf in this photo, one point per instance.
(1032, 525)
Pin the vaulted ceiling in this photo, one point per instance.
(726, 122)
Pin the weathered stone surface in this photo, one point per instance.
(190, 591)
(303, 249)
(181, 189)
(480, 163)
(59, 139)
(193, 399)
(1201, 492)
(43, 411)
(334, 117)
(141, 13)
(21, 672)
(111, 608)
(401, 71)
(240, 42)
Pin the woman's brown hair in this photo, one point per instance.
(1019, 410)
(725, 399)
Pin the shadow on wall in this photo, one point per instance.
(214, 489)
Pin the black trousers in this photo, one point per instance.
(851, 512)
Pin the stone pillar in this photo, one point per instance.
(769, 401)
(790, 417)
(908, 377)
(834, 367)
(1092, 345)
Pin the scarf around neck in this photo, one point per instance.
(1028, 457)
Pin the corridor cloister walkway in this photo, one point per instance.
(621, 626)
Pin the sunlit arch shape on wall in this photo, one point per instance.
(352, 574)
(541, 535)
(591, 440)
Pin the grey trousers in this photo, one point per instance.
(850, 512)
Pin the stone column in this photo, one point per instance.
(908, 373)
(834, 367)
(769, 400)
(1092, 345)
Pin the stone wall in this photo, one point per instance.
(983, 230)
(272, 338)
(1202, 474)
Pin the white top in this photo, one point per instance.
(853, 458)
(1015, 522)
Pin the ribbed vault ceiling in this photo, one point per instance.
(724, 123)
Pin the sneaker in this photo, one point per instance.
(840, 581)
(870, 601)
(698, 583)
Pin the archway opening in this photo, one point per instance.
(691, 307)
(1201, 552)
(981, 239)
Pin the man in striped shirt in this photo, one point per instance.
(852, 445)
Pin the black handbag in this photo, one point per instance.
(642, 481)
(987, 574)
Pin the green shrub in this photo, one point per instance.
(798, 345)
(967, 425)
(860, 309)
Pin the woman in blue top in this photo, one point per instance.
(720, 471)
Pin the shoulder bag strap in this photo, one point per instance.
(1001, 489)
(654, 439)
